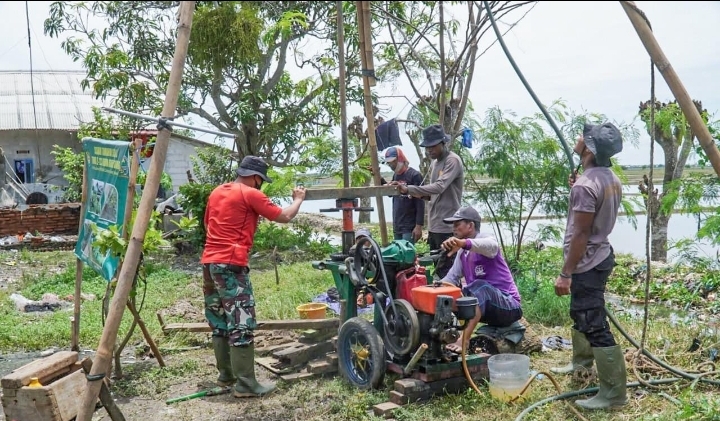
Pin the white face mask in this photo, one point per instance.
(399, 167)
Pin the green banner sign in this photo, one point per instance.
(106, 187)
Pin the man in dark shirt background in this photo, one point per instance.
(408, 211)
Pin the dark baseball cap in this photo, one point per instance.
(254, 165)
(465, 213)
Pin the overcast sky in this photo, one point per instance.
(586, 53)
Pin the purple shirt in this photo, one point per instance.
(481, 259)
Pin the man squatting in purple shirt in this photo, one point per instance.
(487, 276)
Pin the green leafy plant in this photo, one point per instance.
(185, 238)
(165, 180)
(270, 236)
(71, 164)
(111, 239)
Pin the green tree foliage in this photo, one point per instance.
(237, 74)
(677, 140)
(526, 165)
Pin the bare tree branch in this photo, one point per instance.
(407, 72)
(471, 72)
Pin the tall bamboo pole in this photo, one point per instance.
(343, 93)
(686, 104)
(104, 352)
(366, 56)
(75, 321)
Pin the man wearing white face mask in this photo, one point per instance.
(408, 211)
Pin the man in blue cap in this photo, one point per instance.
(231, 218)
(588, 261)
(444, 191)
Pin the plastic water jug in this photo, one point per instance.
(508, 375)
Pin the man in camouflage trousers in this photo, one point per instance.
(231, 218)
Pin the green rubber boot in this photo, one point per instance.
(243, 364)
(222, 361)
(612, 377)
(582, 355)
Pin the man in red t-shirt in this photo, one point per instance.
(231, 218)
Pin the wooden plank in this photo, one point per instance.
(274, 365)
(350, 192)
(297, 376)
(321, 367)
(312, 336)
(267, 350)
(302, 353)
(57, 401)
(23, 408)
(67, 394)
(292, 324)
(42, 368)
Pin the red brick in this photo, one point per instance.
(46, 219)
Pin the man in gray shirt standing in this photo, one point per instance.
(444, 191)
(588, 261)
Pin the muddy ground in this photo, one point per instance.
(151, 405)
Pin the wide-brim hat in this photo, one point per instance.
(604, 141)
(254, 165)
(433, 135)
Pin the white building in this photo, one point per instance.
(44, 109)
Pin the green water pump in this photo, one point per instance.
(395, 257)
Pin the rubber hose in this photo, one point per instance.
(463, 352)
(656, 360)
(584, 392)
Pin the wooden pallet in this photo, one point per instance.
(310, 355)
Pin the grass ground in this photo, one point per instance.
(173, 287)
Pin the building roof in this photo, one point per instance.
(59, 101)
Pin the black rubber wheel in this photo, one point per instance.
(402, 335)
(361, 354)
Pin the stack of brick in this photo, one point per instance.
(55, 219)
